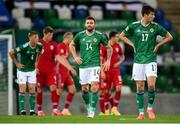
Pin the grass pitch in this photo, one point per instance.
(84, 119)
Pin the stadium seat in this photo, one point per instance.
(166, 24)
(21, 36)
(127, 15)
(32, 13)
(162, 81)
(24, 23)
(39, 23)
(164, 49)
(63, 12)
(18, 13)
(112, 14)
(96, 12)
(159, 15)
(49, 13)
(176, 40)
(80, 12)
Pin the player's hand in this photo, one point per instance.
(37, 71)
(107, 65)
(134, 48)
(156, 48)
(19, 65)
(78, 60)
(103, 75)
(117, 64)
(73, 71)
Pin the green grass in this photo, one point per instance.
(84, 119)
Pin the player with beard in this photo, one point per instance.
(89, 41)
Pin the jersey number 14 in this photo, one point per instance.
(88, 46)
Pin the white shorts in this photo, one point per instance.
(88, 75)
(141, 71)
(29, 77)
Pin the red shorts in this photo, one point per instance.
(113, 79)
(46, 79)
(64, 80)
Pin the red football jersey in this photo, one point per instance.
(47, 56)
(117, 52)
(63, 49)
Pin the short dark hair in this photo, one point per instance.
(146, 10)
(90, 18)
(112, 34)
(32, 33)
(48, 29)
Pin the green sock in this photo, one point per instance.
(32, 101)
(140, 101)
(22, 101)
(86, 98)
(94, 100)
(151, 97)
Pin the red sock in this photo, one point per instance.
(39, 101)
(110, 99)
(116, 98)
(69, 99)
(101, 103)
(54, 99)
(106, 101)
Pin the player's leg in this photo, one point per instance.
(139, 77)
(107, 94)
(22, 89)
(101, 96)
(117, 82)
(52, 83)
(31, 87)
(101, 101)
(84, 79)
(70, 95)
(151, 73)
(94, 73)
(41, 79)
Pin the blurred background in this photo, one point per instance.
(18, 17)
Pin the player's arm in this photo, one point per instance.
(62, 60)
(126, 40)
(122, 58)
(72, 47)
(12, 56)
(165, 40)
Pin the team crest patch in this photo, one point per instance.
(51, 47)
(151, 30)
(95, 40)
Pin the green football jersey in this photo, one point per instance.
(90, 47)
(144, 39)
(28, 56)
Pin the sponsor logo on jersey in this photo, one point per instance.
(151, 30)
(51, 47)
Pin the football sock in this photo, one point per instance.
(140, 101)
(22, 101)
(94, 100)
(151, 97)
(101, 103)
(54, 99)
(39, 101)
(69, 99)
(86, 98)
(32, 101)
(117, 97)
(106, 101)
